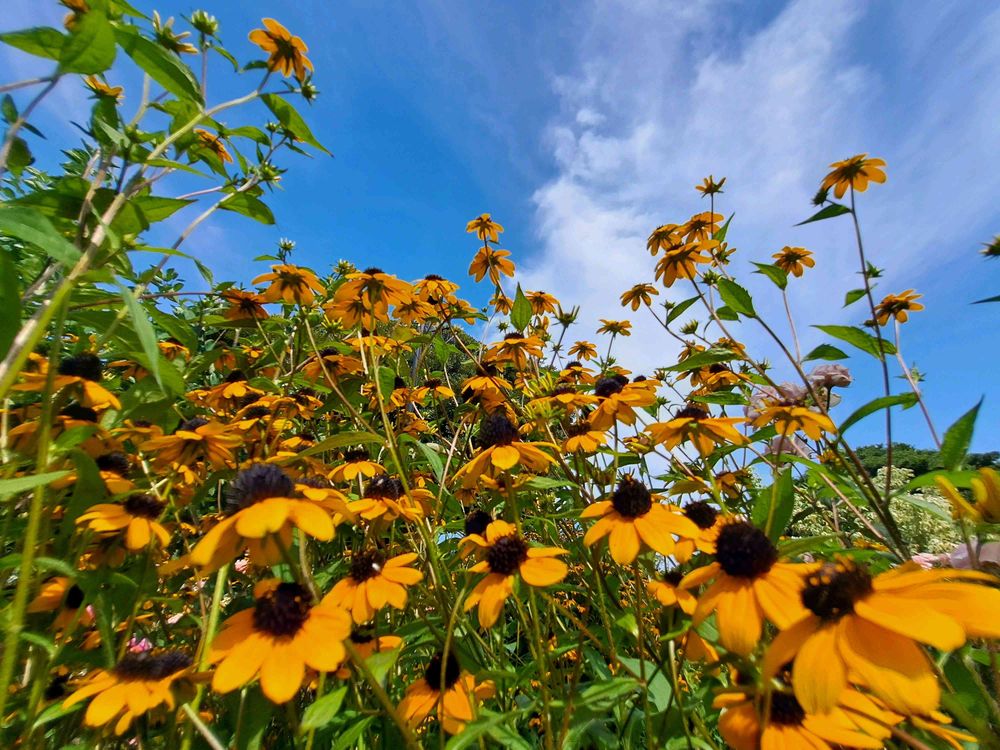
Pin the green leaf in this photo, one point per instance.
(31, 226)
(774, 506)
(725, 398)
(41, 41)
(853, 296)
(778, 275)
(22, 484)
(291, 120)
(520, 313)
(988, 299)
(825, 351)
(677, 310)
(433, 459)
(163, 66)
(736, 297)
(157, 208)
(702, 359)
(90, 47)
(10, 310)
(342, 440)
(248, 205)
(856, 337)
(723, 230)
(957, 439)
(144, 330)
(906, 400)
(834, 209)
(324, 710)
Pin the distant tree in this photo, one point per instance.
(918, 460)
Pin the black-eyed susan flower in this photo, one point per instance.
(581, 438)
(516, 349)
(385, 497)
(985, 493)
(898, 306)
(491, 262)
(277, 639)
(139, 683)
(868, 631)
(700, 227)
(709, 522)
(501, 450)
(286, 53)
(695, 425)
(447, 687)
(681, 262)
(633, 518)
(749, 584)
(619, 399)
(374, 582)
(193, 440)
(616, 327)
(790, 418)
(639, 295)
(433, 388)
(664, 236)
(60, 594)
(583, 350)
(484, 228)
(669, 592)
(541, 302)
(102, 90)
(290, 284)
(244, 305)
(356, 462)
(82, 371)
(213, 143)
(265, 512)
(793, 260)
(507, 555)
(709, 186)
(138, 517)
(854, 173)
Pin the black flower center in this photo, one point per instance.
(433, 277)
(256, 483)
(452, 671)
(701, 513)
(477, 521)
(372, 271)
(74, 597)
(432, 383)
(497, 429)
(236, 376)
(673, 577)
(355, 454)
(831, 591)
(577, 428)
(283, 611)
(116, 462)
(256, 412)
(785, 709)
(143, 505)
(506, 554)
(692, 412)
(608, 386)
(362, 637)
(631, 498)
(151, 665)
(744, 551)
(384, 485)
(191, 425)
(81, 413)
(87, 366)
(365, 565)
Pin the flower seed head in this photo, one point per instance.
(506, 554)
(830, 592)
(84, 365)
(151, 665)
(367, 565)
(452, 671)
(256, 483)
(744, 551)
(631, 498)
(282, 611)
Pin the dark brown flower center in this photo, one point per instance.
(692, 412)
(85, 365)
(631, 498)
(283, 611)
(365, 565)
(151, 665)
(744, 551)
(477, 521)
(74, 597)
(384, 485)
(191, 425)
(831, 591)
(116, 463)
(452, 671)
(785, 709)
(143, 505)
(506, 554)
(701, 513)
(673, 577)
(608, 386)
(497, 429)
(256, 483)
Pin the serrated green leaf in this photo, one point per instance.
(677, 310)
(906, 400)
(31, 226)
(957, 439)
(520, 313)
(778, 275)
(826, 352)
(858, 338)
(323, 711)
(90, 47)
(703, 359)
(163, 66)
(291, 120)
(723, 230)
(828, 212)
(248, 205)
(41, 41)
(736, 297)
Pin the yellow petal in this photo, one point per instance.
(543, 571)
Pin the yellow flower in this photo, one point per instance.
(697, 426)
(709, 522)
(581, 438)
(485, 228)
(855, 173)
(60, 593)
(502, 450)
(793, 260)
(137, 516)
(356, 462)
(139, 683)
(507, 554)
(286, 53)
(709, 186)
(663, 237)
(867, 631)
(194, 439)
(640, 294)
(277, 639)
(583, 350)
(985, 493)
(386, 498)
(516, 349)
(488, 261)
(898, 306)
(84, 370)
(102, 89)
(213, 143)
(749, 585)
(700, 227)
(670, 593)
(290, 284)
(373, 583)
(680, 262)
(634, 518)
(616, 327)
(448, 687)
(618, 399)
(789, 419)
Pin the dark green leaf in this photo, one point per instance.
(725, 398)
(323, 711)
(703, 359)
(736, 297)
(957, 439)
(22, 484)
(834, 209)
(520, 313)
(31, 226)
(10, 310)
(291, 120)
(778, 275)
(856, 337)
(248, 205)
(90, 47)
(723, 230)
(774, 506)
(906, 400)
(727, 313)
(853, 296)
(825, 351)
(41, 41)
(144, 330)
(163, 66)
(157, 208)
(988, 299)
(19, 156)
(677, 310)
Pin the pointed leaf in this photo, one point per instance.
(163, 66)
(778, 275)
(291, 120)
(834, 209)
(520, 313)
(957, 439)
(856, 337)
(825, 351)
(906, 400)
(90, 48)
(41, 41)
(31, 226)
(736, 297)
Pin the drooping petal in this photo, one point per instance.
(543, 571)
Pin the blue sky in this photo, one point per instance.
(582, 126)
